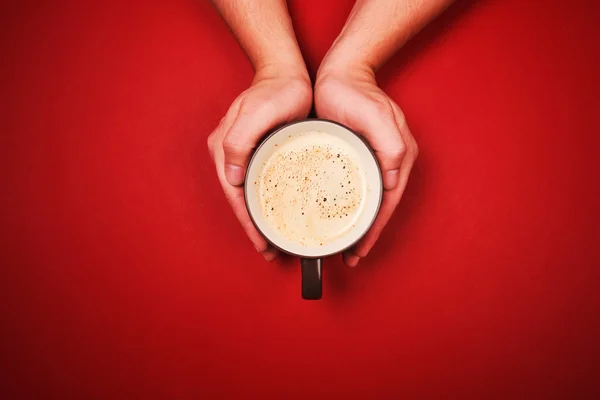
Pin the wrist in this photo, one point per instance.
(286, 69)
(338, 64)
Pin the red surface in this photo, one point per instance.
(124, 274)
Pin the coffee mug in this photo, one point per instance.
(313, 189)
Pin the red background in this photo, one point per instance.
(125, 275)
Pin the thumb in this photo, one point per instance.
(246, 131)
(382, 131)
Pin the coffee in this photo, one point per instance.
(311, 189)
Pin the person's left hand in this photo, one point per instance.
(350, 96)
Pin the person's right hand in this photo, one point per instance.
(273, 99)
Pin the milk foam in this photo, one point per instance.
(312, 188)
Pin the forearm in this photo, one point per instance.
(375, 30)
(264, 30)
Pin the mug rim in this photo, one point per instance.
(375, 214)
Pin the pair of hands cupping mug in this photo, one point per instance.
(293, 217)
(302, 199)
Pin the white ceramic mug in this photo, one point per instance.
(311, 257)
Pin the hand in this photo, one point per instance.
(350, 95)
(274, 98)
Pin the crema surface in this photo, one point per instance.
(311, 190)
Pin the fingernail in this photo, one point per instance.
(351, 260)
(390, 179)
(234, 174)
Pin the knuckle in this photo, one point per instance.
(213, 138)
(415, 150)
(398, 153)
(400, 120)
(210, 141)
(242, 102)
(231, 145)
(382, 109)
(246, 106)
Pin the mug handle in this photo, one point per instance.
(312, 288)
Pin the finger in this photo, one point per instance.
(235, 197)
(350, 259)
(383, 134)
(412, 150)
(391, 199)
(388, 205)
(216, 151)
(251, 123)
(213, 138)
(249, 126)
(270, 253)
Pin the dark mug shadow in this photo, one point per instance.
(287, 262)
